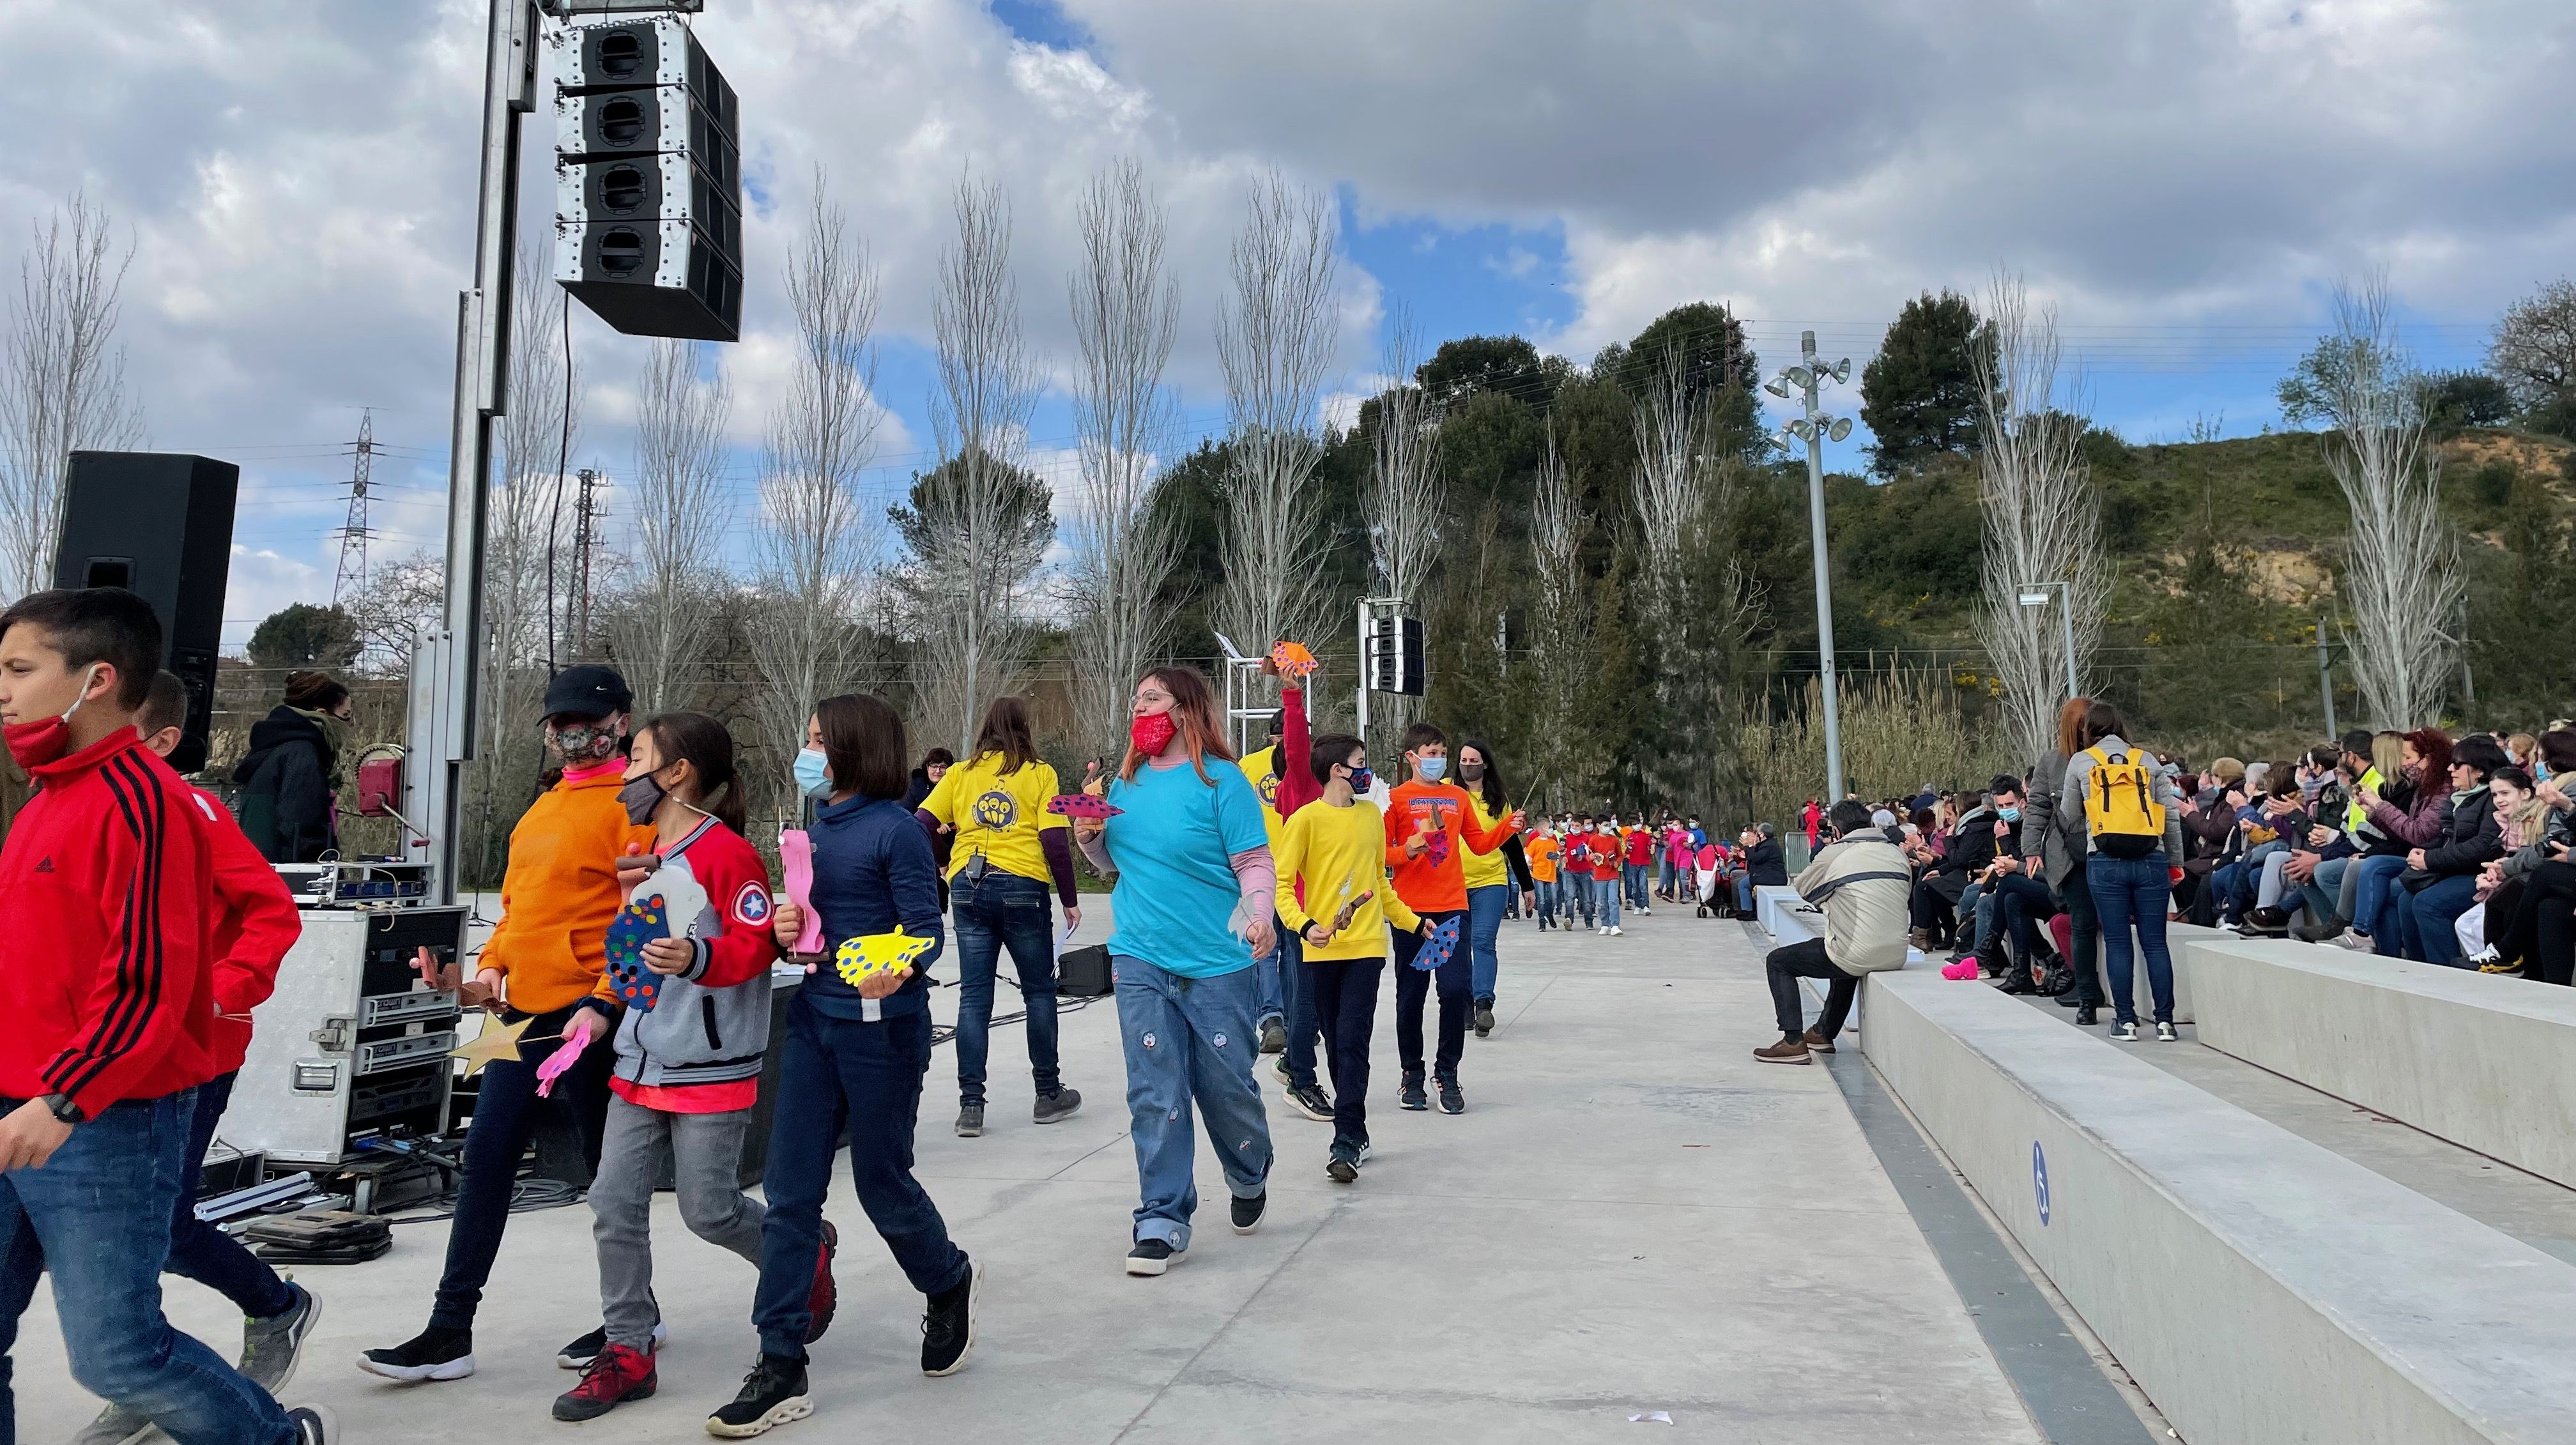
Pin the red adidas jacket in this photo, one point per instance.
(109, 989)
(256, 924)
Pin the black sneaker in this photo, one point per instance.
(1153, 1256)
(970, 1121)
(1451, 1101)
(1484, 1018)
(772, 1394)
(579, 1354)
(948, 1324)
(433, 1354)
(1411, 1095)
(1247, 1212)
(1344, 1164)
(1057, 1107)
(1310, 1101)
(313, 1425)
(2087, 1018)
(1274, 1037)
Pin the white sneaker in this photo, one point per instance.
(1603, 931)
(1618, 932)
(2165, 1034)
(1645, 913)
(2125, 1033)
(2354, 941)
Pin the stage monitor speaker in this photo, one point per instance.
(159, 524)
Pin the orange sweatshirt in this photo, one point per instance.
(1436, 809)
(560, 891)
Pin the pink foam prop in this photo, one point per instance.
(1964, 968)
(559, 1063)
(1082, 805)
(796, 855)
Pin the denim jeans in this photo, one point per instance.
(98, 1216)
(2378, 874)
(2127, 892)
(1970, 917)
(2324, 886)
(505, 1116)
(2022, 904)
(1484, 928)
(1665, 880)
(201, 1252)
(1548, 892)
(835, 1073)
(1301, 1009)
(1634, 875)
(1606, 895)
(996, 911)
(1579, 894)
(2430, 911)
(1345, 996)
(1413, 985)
(1189, 1041)
(1275, 979)
(1744, 893)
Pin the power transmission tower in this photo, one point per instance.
(586, 512)
(352, 578)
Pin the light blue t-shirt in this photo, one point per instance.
(1176, 888)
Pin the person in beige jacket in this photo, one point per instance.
(1862, 884)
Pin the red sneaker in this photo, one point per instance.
(619, 1373)
(825, 1297)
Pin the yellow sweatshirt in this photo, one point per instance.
(1337, 854)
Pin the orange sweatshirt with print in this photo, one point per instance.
(1425, 886)
(560, 891)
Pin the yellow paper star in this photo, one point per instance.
(875, 953)
(497, 1042)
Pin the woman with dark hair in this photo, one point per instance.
(2055, 850)
(1196, 897)
(854, 1056)
(2441, 877)
(2127, 871)
(2409, 820)
(1005, 849)
(1491, 877)
(291, 775)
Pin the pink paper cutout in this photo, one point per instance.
(560, 1062)
(796, 855)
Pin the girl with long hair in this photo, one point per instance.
(1193, 908)
(1491, 877)
(2410, 819)
(1005, 848)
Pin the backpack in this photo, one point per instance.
(2120, 806)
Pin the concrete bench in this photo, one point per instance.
(2259, 1288)
(2483, 1061)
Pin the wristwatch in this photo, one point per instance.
(64, 1109)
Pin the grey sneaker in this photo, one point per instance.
(970, 1121)
(1059, 1106)
(273, 1347)
(115, 1425)
(1274, 1036)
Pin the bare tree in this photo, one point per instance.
(1275, 338)
(62, 381)
(1126, 314)
(2533, 350)
(1405, 499)
(2043, 521)
(1561, 766)
(815, 555)
(973, 571)
(1677, 489)
(2402, 575)
(657, 629)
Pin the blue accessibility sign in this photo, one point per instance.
(2039, 1179)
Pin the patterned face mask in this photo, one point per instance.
(581, 743)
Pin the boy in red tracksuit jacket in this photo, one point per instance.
(1428, 825)
(110, 998)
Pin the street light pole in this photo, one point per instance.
(2035, 594)
(1814, 429)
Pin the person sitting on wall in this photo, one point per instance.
(1862, 885)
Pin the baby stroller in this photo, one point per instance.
(1712, 888)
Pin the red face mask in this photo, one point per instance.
(1152, 733)
(34, 744)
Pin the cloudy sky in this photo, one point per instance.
(2184, 180)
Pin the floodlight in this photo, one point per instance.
(1842, 369)
(1776, 389)
(1842, 428)
(1801, 429)
(2034, 599)
(1799, 377)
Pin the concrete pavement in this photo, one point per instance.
(1633, 1216)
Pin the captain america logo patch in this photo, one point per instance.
(751, 905)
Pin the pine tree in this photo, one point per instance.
(1919, 395)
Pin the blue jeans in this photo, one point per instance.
(201, 1252)
(1303, 1021)
(98, 1216)
(990, 913)
(1578, 896)
(1275, 977)
(1634, 875)
(2323, 887)
(2430, 912)
(835, 1073)
(1484, 927)
(2129, 891)
(1547, 899)
(1667, 878)
(2370, 897)
(1189, 1041)
(1744, 893)
(1606, 893)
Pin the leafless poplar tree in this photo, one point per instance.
(62, 381)
(658, 629)
(1561, 770)
(1405, 499)
(972, 580)
(2043, 521)
(816, 556)
(2402, 576)
(1126, 314)
(1678, 489)
(1275, 338)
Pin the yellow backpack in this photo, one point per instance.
(2120, 806)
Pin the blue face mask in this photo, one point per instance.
(1362, 780)
(812, 775)
(2009, 815)
(1432, 769)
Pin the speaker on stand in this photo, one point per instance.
(159, 524)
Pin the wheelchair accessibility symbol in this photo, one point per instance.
(2039, 1180)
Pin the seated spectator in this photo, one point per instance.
(2410, 817)
(1859, 883)
(2441, 877)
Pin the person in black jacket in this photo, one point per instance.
(1965, 858)
(293, 770)
(1763, 866)
(934, 766)
(2442, 877)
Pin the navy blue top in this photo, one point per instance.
(873, 868)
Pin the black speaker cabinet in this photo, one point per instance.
(159, 524)
(651, 278)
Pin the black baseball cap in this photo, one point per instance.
(587, 691)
